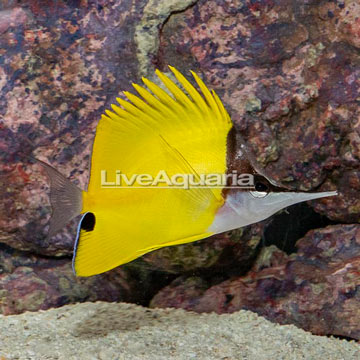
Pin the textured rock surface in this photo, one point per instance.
(121, 331)
(62, 65)
(29, 282)
(62, 68)
(58, 76)
(288, 72)
(317, 288)
(235, 249)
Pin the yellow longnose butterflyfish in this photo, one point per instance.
(161, 174)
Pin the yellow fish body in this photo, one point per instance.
(186, 133)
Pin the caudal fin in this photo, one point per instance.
(65, 199)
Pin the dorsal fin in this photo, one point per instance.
(193, 123)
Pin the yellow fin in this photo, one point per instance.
(199, 135)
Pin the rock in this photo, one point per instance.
(316, 289)
(287, 72)
(235, 249)
(60, 69)
(30, 283)
(124, 331)
(290, 87)
(59, 79)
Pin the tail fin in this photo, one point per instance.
(65, 199)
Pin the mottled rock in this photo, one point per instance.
(58, 77)
(288, 72)
(62, 63)
(30, 283)
(316, 289)
(235, 249)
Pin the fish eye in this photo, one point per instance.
(261, 187)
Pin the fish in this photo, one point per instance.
(180, 130)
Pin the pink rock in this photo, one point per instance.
(60, 69)
(316, 289)
(288, 73)
(31, 283)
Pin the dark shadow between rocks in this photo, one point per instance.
(340, 337)
(288, 226)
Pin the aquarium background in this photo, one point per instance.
(288, 73)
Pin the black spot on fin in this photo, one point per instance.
(88, 222)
